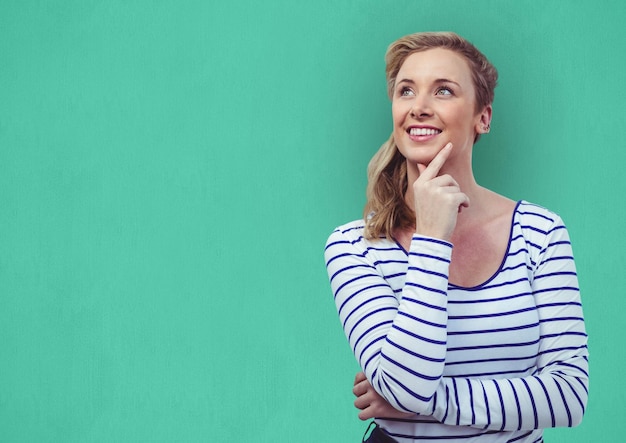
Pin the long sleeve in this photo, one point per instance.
(556, 395)
(400, 342)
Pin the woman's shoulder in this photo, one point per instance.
(351, 231)
(536, 215)
(539, 226)
(348, 242)
(351, 227)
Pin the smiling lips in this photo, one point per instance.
(422, 133)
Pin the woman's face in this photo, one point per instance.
(434, 102)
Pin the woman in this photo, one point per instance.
(461, 306)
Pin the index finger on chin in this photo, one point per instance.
(432, 170)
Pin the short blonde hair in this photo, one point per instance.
(484, 74)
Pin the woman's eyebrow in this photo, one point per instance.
(406, 80)
(446, 80)
(439, 80)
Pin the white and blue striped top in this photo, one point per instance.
(493, 363)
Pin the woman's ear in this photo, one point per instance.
(483, 126)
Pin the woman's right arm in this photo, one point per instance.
(371, 404)
(399, 341)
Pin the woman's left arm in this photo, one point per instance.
(556, 395)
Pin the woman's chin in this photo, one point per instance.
(423, 155)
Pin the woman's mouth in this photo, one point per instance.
(423, 134)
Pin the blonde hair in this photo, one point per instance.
(386, 210)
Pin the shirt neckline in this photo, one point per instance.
(502, 262)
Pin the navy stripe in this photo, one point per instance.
(498, 374)
(366, 302)
(426, 288)
(420, 337)
(456, 401)
(568, 365)
(487, 410)
(501, 406)
(564, 400)
(340, 256)
(492, 346)
(373, 356)
(425, 271)
(569, 385)
(523, 436)
(356, 293)
(564, 333)
(423, 321)
(397, 382)
(491, 360)
(426, 305)
(519, 407)
(513, 254)
(432, 257)
(354, 228)
(350, 282)
(347, 268)
(489, 331)
(445, 415)
(556, 289)
(394, 396)
(471, 395)
(552, 274)
(553, 305)
(507, 283)
(545, 391)
(560, 319)
(561, 349)
(388, 262)
(490, 300)
(358, 340)
(536, 214)
(558, 258)
(415, 354)
(432, 240)
(364, 318)
(557, 243)
(491, 315)
(532, 228)
(532, 402)
(556, 228)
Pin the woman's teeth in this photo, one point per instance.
(423, 131)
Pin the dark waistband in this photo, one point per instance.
(379, 436)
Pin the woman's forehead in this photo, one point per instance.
(435, 64)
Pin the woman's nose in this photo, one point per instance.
(421, 107)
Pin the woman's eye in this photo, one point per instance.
(406, 92)
(444, 91)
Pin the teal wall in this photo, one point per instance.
(169, 173)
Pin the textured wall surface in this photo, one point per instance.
(169, 173)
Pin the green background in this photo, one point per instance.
(169, 173)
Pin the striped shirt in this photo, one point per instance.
(497, 362)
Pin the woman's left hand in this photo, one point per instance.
(370, 403)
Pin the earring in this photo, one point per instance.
(487, 128)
